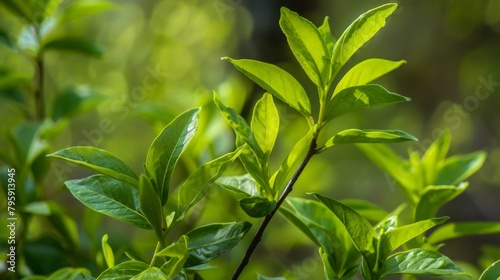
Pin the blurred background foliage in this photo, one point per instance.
(163, 57)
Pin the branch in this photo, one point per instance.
(39, 92)
(288, 189)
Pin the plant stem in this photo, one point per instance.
(39, 91)
(157, 249)
(289, 187)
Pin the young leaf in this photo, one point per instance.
(176, 250)
(109, 256)
(351, 136)
(100, 161)
(151, 273)
(276, 81)
(75, 101)
(359, 32)
(328, 38)
(66, 273)
(434, 156)
(365, 72)
(151, 207)
(358, 227)
(396, 237)
(307, 45)
(492, 272)
(360, 97)
(366, 209)
(256, 206)
(462, 229)
(458, 168)
(240, 127)
(166, 149)
(434, 197)
(123, 271)
(265, 123)
(208, 242)
(419, 262)
(73, 44)
(242, 186)
(109, 197)
(195, 186)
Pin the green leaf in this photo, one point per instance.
(307, 46)
(18, 8)
(43, 9)
(328, 38)
(109, 256)
(360, 32)
(208, 242)
(68, 273)
(240, 127)
(262, 277)
(297, 153)
(457, 168)
(73, 44)
(109, 197)
(194, 188)
(434, 157)
(358, 227)
(265, 123)
(256, 206)
(151, 273)
(75, 101)
(397, 168)
(6, 40)
(351, 136)
(151, 207)
(360, 97)
(166, 149)
(434, 197)
(176, 250)
(365, 72)
(492, 272)
(462, 229)
(419, 262)
(253, 166)
(242, 186)
(81, 9)
(366, 209)
(276, 81)
(396, 237)
(100, 161)
(123, 271)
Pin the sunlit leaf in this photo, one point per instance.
(434, 197)
(68, 273)
(359, 32)
(109, 256)
(265, 123)
(360, 97)
(100, 161)
(177, 250)
(365, 72)
(307, 45)
(276, 81)
(75, 101)
(434, 157)
(462, 229)
(256, 206)
(124, 271)
(208, 242)
(242, 186)
(457, 168)
(419, 262)
(151, 273)
(166, 149)
(351, 136)
(492, 272)
(109, 197)
(74, 44)
(328, 38)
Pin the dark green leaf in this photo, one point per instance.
(75, 101)
(358, 227)
(457, 168)
(462, 229)
(366, 209)
(166, 149)
(19, 8)
(208, 242)
(256, 206)
(492, 272)
(151, 207)
(100, 161)
(366, 72)
(419, 262)
(6, 40)
(434, 197)
(351, 136)
(276, 81)
(123, 271)
(307, 45)
(360, 32)
(265, 123)
(194, 188)
(242, 186)
(110, 197)
(73, 44)
(27, 142)
(360, 97)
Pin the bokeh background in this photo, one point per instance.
(452, 49)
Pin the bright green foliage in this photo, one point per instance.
(492, 272)
(265, 123)
(461, 229)
(350, 136)
(109, 256)
(124, 271)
